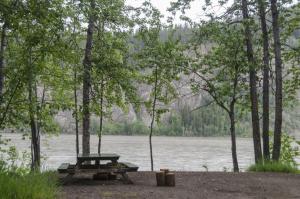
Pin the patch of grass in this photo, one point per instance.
(28, 186)
(276, 167)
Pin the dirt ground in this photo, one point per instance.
(189, 185)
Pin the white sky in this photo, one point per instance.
(195, 13)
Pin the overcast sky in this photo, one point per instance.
(195, 13)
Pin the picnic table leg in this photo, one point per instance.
(126, 179)
(97, 162)
(78, 164)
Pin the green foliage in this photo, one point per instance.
(12, 160)
(287, 162)
(16, 180)
(278, 167)
(121, 128)
(112, 77)
(170, 127)
(289, 149)
(28, 186)
(222, 70)
(207, 121)
(33, 53)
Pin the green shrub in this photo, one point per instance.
(28, 186)
(289, 149)
(278, 167)
(17, 182)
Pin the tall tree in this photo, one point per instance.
(35, 137)
(253, 83)
(35, 35)
(73, 57)
(221, 70)
(112, 75)
(87, 65)
(278, 81)
(266, 68)
(162, 61)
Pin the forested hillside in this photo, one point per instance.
(188, 115)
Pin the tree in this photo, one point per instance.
(252, 82)
(161, 62)
(33, 41)
(87, 65)
(221, 70)
(74, 52)
(4, 20)
(112, 75)
(113, 78)
(266, 68)
(278, 81)
(2, 50)
(290, 41)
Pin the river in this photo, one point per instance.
(176, 153)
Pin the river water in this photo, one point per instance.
(176, 153)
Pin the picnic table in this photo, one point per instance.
(91, 163)
(97, 158)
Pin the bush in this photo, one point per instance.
(277, 167)
(28, 186)
(17, 182)
(289, 149)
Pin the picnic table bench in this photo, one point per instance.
(91, 164)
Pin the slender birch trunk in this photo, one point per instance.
(153, 118)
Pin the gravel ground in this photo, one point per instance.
(189, 185)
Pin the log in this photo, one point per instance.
(170, 179)
(160, 178)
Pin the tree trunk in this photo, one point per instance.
(266, 60)
(153, 117)
(253, 90)
(101, 118)
(39, 108)
(75, 94)
(87, 64)
(76, 112)
(233, 138)
(35, 139)
(2, 49)
(278, 82)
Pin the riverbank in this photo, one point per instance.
(192, 185)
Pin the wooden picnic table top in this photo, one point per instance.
(96, 156)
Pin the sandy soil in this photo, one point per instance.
(189, 185)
